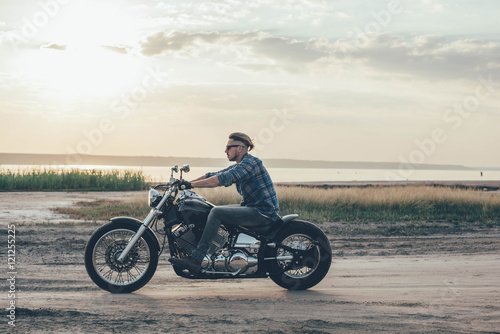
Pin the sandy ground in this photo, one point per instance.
(438, 284)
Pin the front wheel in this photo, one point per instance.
(310, 263)
(104, 248)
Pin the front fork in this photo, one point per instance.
(145, 225)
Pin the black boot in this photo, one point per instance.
(189, 263)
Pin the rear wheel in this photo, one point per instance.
(307, 266)
(103, 250)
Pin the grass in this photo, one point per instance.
(51, 179)
(389, 210)
(106, 209)
(395, 204)
(379, 203)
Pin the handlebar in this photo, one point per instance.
(174, 181)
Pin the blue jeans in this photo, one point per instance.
(228, 215)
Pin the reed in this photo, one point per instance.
(53, 179)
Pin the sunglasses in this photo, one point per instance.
(230, 146)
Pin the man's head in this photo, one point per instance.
(238, 145)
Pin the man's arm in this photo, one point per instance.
(203, 182)
(203, 177)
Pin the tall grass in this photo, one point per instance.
(51, 179)
(394, 203)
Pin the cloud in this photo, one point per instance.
(433, 6)
(63, 47)
(55, 46)
(430, 56)
(253, 50)
(117, 49)
(284, 49)
(342, 15)
(425, 56)
(189, 14)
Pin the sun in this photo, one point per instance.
(88, 52)
(86, 71)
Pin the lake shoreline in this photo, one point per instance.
(290, 176)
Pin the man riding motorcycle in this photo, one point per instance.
(259, 205)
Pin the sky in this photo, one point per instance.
(387, 81)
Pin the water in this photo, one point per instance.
(162, 174)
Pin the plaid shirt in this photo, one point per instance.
(253, 184)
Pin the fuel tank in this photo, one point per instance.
(193, 208)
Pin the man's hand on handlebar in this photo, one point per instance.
(183, 184)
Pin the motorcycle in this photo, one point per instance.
(122, 256)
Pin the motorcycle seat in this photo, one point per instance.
(271, 229)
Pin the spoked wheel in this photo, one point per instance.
(303, 257)
(105, 247)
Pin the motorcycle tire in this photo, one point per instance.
(104, 247)
(306, 272)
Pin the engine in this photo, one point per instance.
(185, 240)
(240, 257)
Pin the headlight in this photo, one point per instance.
(154, 198)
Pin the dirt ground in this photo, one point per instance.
(436, 283)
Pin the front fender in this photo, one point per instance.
(134, 221)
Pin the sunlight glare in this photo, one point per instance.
(90, 71)
(88, 53)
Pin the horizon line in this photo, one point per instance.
(220, 159)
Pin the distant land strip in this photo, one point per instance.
(109, 160)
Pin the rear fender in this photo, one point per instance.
(286, 221)
(289, 218)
